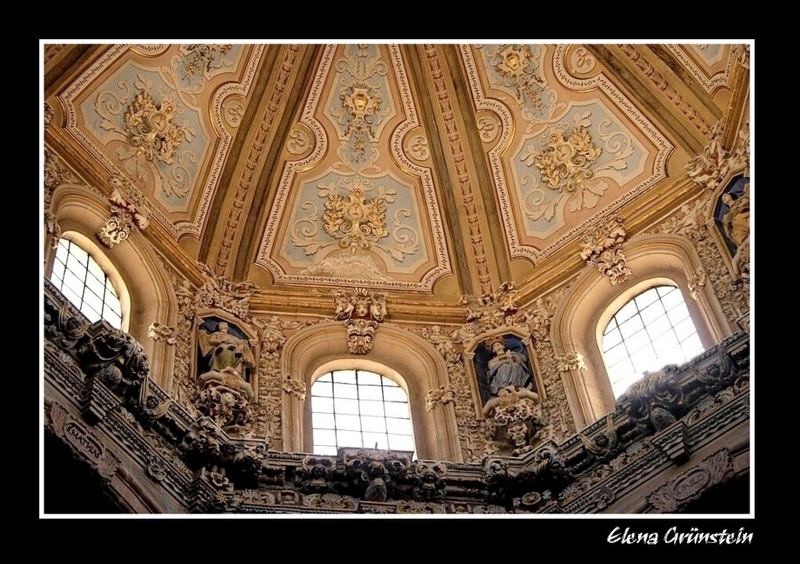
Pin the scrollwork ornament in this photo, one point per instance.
(602, 247)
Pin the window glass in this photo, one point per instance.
(83, 282)
(358, 408)
(650, 331)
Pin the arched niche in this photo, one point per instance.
(586, 309)
(726, 251)
(471, 346)
(239, 329)
(80, 214)
(396, 353)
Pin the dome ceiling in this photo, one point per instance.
(432, 171)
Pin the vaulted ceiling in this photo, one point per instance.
(429, 171)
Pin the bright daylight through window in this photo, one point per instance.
(85, 284)
(650, 331)
(357, 408)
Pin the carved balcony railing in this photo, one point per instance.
(658, 423)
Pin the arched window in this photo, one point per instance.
(84, 283)
(358, 408)
(650, 331)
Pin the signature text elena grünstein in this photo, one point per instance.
(674, 535)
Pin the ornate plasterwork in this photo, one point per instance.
(456, 147)
(709, 64)
(562, 150)
(570, 361)
(355, 219)
(489, 315)
(693, 221)
(352, 215)
(602, 247)
(359, 104)
(361, 311)
(665, 86)
(696, 282)
(129, 210)
(516, 420)
(254, 156)
(713, 166)
(105, 376)
(81, 441)
(197, 63)
(149, 131)
(439, 396)
(135, 114)
(691, 484)
(219, 292)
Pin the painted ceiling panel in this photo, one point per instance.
(356, 201)
(563, 143)
(164, 116)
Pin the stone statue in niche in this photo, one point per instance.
(500, 362)
(226, 364)
(507, 368)
(736, 224)
(511, 404)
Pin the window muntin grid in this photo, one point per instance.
(85, 284)
(359, 408)
(650, 331)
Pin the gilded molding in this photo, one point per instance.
(257, 149)
(660, 82)
(462, 174)
(602, 247)
(710, 84)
